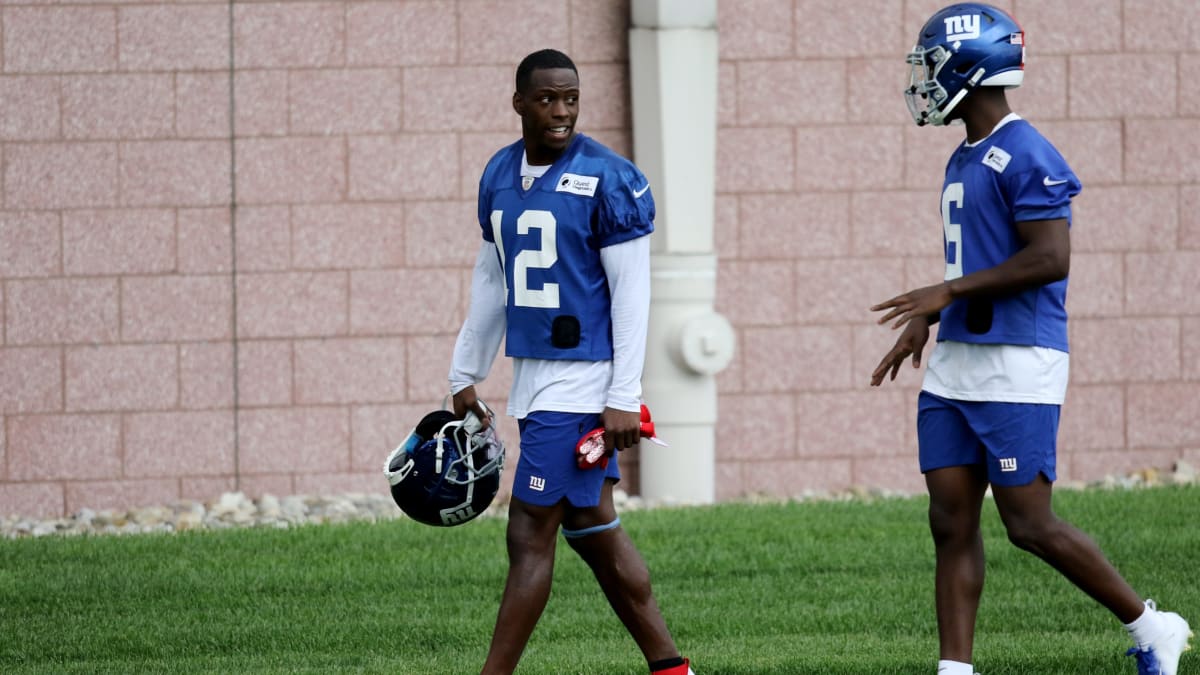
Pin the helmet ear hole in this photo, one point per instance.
(432, 423)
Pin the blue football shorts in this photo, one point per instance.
(1016, 440)
(547, 471)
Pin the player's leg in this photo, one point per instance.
(955, 500)
(1021, 440)
(532, 534)
(951, 458)
(1021, 456)
(1160, 637)
(1033, 526)
(596, 535)
(534, 516)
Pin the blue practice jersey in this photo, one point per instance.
(1014, 175)
(548, 239)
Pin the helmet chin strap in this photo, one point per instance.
(441, 440)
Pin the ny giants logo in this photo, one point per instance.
(537, 483)
(964, 27)
(1008, 464)
(460, 516)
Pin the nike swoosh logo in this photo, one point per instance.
(638, 193)
(1051, 183)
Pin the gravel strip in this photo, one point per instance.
(234, 509)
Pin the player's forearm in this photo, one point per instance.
(1032, 266)
(627, 267)
(625, 391)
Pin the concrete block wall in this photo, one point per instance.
(236, 238)
(829, 194)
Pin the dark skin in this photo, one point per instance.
(956, 493)
(548, 108)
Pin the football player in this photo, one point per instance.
(989, 407)
(562, 277)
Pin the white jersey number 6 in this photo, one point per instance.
(953, 195)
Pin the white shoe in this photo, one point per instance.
(1161, 657)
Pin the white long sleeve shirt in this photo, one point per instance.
(563, 386)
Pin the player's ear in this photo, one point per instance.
(518, 103)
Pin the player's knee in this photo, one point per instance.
(522, 549)
(1029, 534)
(1024, 539)
(591, 543)
(948, 526)
(529, 539)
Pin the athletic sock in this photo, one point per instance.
(946, 667)
(673, 666)
(1146, 628)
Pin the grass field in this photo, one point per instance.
(817, 587)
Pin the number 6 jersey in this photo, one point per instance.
(1011, 348)
(548, 239)
(1014, 175)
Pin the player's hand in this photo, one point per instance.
(911, 341)
(466, 400)
(915, 304)
(622, 429)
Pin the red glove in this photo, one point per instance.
(589, 451)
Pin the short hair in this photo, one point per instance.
(542, 60)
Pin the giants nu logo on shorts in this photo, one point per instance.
(1008, 464)
(537, 483)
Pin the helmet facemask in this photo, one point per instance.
(482, 452)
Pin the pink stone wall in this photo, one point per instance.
(831, 193)
(235, 240)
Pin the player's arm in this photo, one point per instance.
(1044, 259)
(627, 266)
(481, 333)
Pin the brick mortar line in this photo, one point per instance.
(233, 270)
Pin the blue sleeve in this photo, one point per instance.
(1045, 188)
(626, 208)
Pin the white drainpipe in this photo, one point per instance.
(673, 73)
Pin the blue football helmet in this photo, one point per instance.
(447, 471)
(961, 47)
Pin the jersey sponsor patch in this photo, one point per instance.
(997, 159)
(579, 185)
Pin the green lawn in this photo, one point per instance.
(819, 587)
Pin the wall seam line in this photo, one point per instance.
(233, 270)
